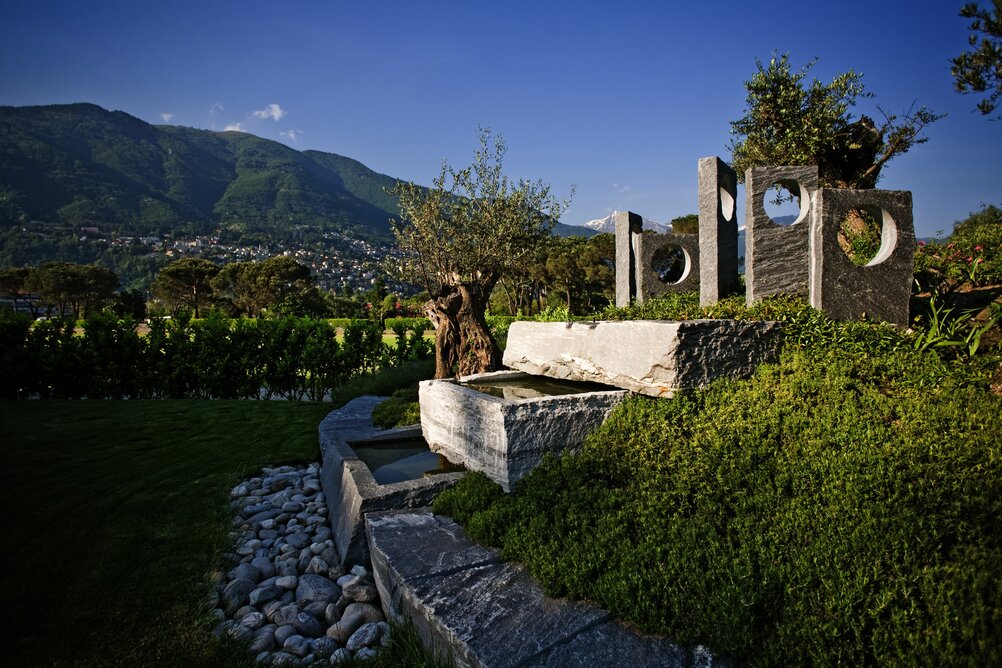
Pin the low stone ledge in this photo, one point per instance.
(463, 600)
(652, 357)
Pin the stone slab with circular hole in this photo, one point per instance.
(718, 230)
(879, 290)
(655, 252)
(776, 259)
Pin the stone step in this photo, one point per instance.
(483, 612)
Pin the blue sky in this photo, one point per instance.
(618, 98)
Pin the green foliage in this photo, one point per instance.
(73, 289)
(186, 283)
(687, 224)
(972, 254)
(980, 69)
(254, 287)
(407, 323)
(786, 123)
(215, 357)
(399, 410)
(832, 510)
(384, 381)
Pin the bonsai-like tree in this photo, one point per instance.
(460, 237)
(788, 123)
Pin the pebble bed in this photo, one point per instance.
(285, 593)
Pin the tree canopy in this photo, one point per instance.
(980, 69)
(186, 283)
(72, 288)
(461, 236)
(788, 122)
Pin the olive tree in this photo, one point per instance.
(460, 237)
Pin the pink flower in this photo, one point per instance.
(977, 248)
(921, 243)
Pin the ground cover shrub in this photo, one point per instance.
(835, 509)
(399, 410)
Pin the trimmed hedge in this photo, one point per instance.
(215, 357)
(408, 323)
(838, 508)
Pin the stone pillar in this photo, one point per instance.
(718, 230)
(776, 256)
(649, 283)
(628, 225)
(880, 290)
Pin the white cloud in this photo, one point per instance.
(167, 117)
(271, 111)
(619, 188)
(233, 127)
(216, 108)
(292, 135)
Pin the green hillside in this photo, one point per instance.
(80, 165)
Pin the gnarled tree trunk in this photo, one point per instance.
(463, 341)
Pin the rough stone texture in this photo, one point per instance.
(628, 224)
(506, 438)
(348, 485)
(649, 284)
(718, 230)
(462, 599)
(776, 256)
(879, 290)
(652, 357)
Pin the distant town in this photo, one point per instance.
(342, 264)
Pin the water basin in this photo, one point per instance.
(401, 459)
(533, 387)
(503, 424)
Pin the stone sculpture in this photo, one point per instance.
(637, 254)
(628, 225)
(718, 230)
(776, 259)
(881, 289)
(803, 258)
(650, 280)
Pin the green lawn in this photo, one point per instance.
(116, 513)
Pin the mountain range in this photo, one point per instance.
(82, 166)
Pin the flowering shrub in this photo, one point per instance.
(972, 255)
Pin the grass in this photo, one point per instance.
(118, 512)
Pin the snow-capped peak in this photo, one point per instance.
(608, 224)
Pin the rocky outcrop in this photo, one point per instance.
(652, 357)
